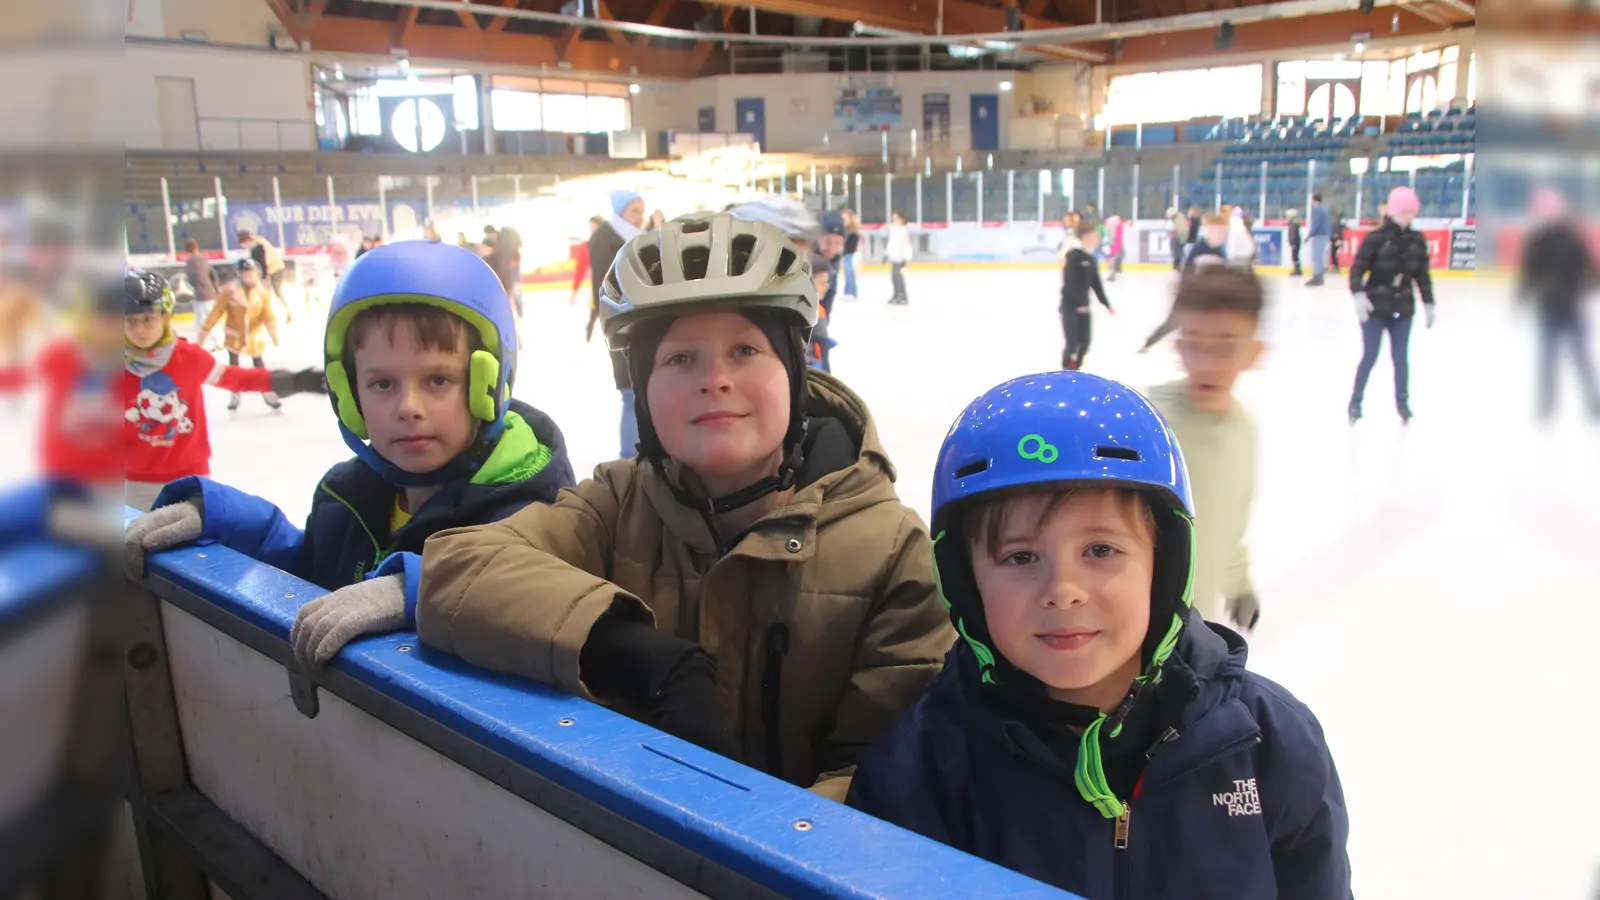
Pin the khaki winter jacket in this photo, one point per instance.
(842, 568)
(247, 313)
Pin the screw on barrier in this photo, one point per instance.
(802, 825)
(565, 723)
(200, 556)
(404, 648)
(289, 596)
(142, 655)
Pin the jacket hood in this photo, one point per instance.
(529, 464)
(846, 469)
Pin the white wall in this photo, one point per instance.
(799, 108)
(222, 21)
(243, 100)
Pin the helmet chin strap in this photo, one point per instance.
(788, 470)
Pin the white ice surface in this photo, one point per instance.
(1431, 592)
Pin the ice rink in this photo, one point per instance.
(1429, 591)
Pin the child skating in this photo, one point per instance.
(245, 309)
(1080, 276)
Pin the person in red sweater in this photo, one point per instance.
(581, 264)
(164, 410)
(80, 437)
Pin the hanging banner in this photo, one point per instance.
(936, 117)
(867, 109)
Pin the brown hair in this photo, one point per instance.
(437, 329)
(1214, 219)
(1221, 289)
(987, 522)
(191, 245)
(1085, 228)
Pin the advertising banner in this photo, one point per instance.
(1155, 246)
(867, 109)
(1269, 246)
(1464, 249)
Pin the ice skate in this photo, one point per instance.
(233, 402)
(1315, 282)
(1355, 412)
(1404, 409)
(272, 400)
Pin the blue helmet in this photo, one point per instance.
(435, 274)
(1057, 430)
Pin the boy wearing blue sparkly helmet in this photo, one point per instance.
(421, 353)
(1084, 687)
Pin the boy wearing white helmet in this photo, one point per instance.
(751, 582)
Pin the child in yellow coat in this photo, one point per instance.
(246, 308)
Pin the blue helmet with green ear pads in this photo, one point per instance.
(1057, 431)
(435, 274)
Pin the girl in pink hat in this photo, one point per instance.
(1389, 270)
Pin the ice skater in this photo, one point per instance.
(1117, 228)
(1080, 275)
(899, 253)
(244, 309)
(1557, 270)
(1388, 271)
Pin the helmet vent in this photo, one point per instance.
(786, 260)
(695, 226)
(742, 248)
(695, 262)
(973, 468)
(650, 255)
(1117, 453)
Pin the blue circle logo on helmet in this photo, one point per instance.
(1059, 430)
(434, 274)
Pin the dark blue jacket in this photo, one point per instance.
(1243, 803)
(347, 533)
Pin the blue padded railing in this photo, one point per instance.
(707, 811)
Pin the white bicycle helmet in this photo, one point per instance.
(705, 261)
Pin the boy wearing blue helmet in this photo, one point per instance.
(420, 352)
(1084, 687)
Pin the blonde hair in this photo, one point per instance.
(988, 521)
(852, 222)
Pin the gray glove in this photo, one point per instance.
(1427, 312)
(1363, 307)
(326, 624)
(166, 527)
(1245, 611)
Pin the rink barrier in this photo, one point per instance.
(60, 699)
(402, 771)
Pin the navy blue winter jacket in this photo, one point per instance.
(347, 533)
(1242, 803)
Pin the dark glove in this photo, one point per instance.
(305, 381)
(1245, 611)
(673, 680)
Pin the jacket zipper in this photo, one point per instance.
(1213, 759)
(777, 644)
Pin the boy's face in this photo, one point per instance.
(1091, 241)
(1216, 235)
(249, 277)
(144, 329)
(1067, 596)
(414, 400)
(1215, 347)
(831, 245)
(719, 399)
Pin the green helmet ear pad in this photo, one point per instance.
(483, 373)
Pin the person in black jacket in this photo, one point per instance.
(1294, 241)
(1389, 269)
(1079, 276)
(1208, 249)
(1557, 270)
(605, 242)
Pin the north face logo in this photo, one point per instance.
(1242, 800)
